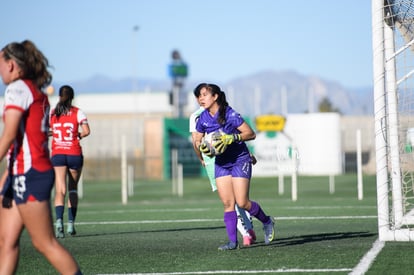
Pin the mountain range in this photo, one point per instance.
(263, 92)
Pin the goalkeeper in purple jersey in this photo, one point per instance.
(233, 167)
(244, 220)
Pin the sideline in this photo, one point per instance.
(366, 261)
(221, 220)
(244, 272)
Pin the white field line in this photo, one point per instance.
(366, 261)
(220, 220)
(293, 270)
(86, 212)
(361, 268)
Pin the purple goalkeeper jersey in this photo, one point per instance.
(236, 151)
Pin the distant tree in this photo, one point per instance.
(325, 106)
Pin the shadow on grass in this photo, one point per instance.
(278, 242)
(150, 231)
(303, 239)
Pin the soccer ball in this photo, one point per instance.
(211, 139)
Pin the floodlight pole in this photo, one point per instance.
(135, 30)
(178, 71)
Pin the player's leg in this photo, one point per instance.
(256, 211)
(60, 193)
(268, 222)
(249, 223)
(241, 185)
(59, 165)
(35, 213)
(251, 231)
(75, 164)
(241, 226)
(73, 176)
(245, 217)
(37, 220)
(11, 227)
(245, 226)
(225, 192)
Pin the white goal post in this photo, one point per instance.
(393, 75)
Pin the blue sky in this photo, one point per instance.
(219, 39)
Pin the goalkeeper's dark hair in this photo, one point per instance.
(222, 102)
(197, 89)
(221, 99)
(66, 95)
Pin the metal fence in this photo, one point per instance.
(145, 149)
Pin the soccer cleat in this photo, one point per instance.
(252, 234)
(59, 229)
(229, 246)
(269, 231)
(247, 240)
(71, 228)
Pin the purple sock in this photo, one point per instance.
(230, 220)
(257, 212)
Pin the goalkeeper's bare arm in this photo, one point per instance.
(197, 139)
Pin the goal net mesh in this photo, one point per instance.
(399, 115)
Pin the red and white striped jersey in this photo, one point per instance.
(30, 148)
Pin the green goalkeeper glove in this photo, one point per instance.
(206, 149)
(221, 144)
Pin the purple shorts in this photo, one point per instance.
(31, 186)
(240, 169)
(70, 161)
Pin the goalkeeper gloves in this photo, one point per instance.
(225, 140)
(206, 150)
(229, 139)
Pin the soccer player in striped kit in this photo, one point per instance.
(28, 181)
(67, 157)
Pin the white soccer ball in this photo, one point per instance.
(211, 139)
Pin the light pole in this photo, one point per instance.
(178, 71)
(135, 30)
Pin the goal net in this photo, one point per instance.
(393, 68)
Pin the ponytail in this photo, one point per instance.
(222, 102)
(66, 95)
